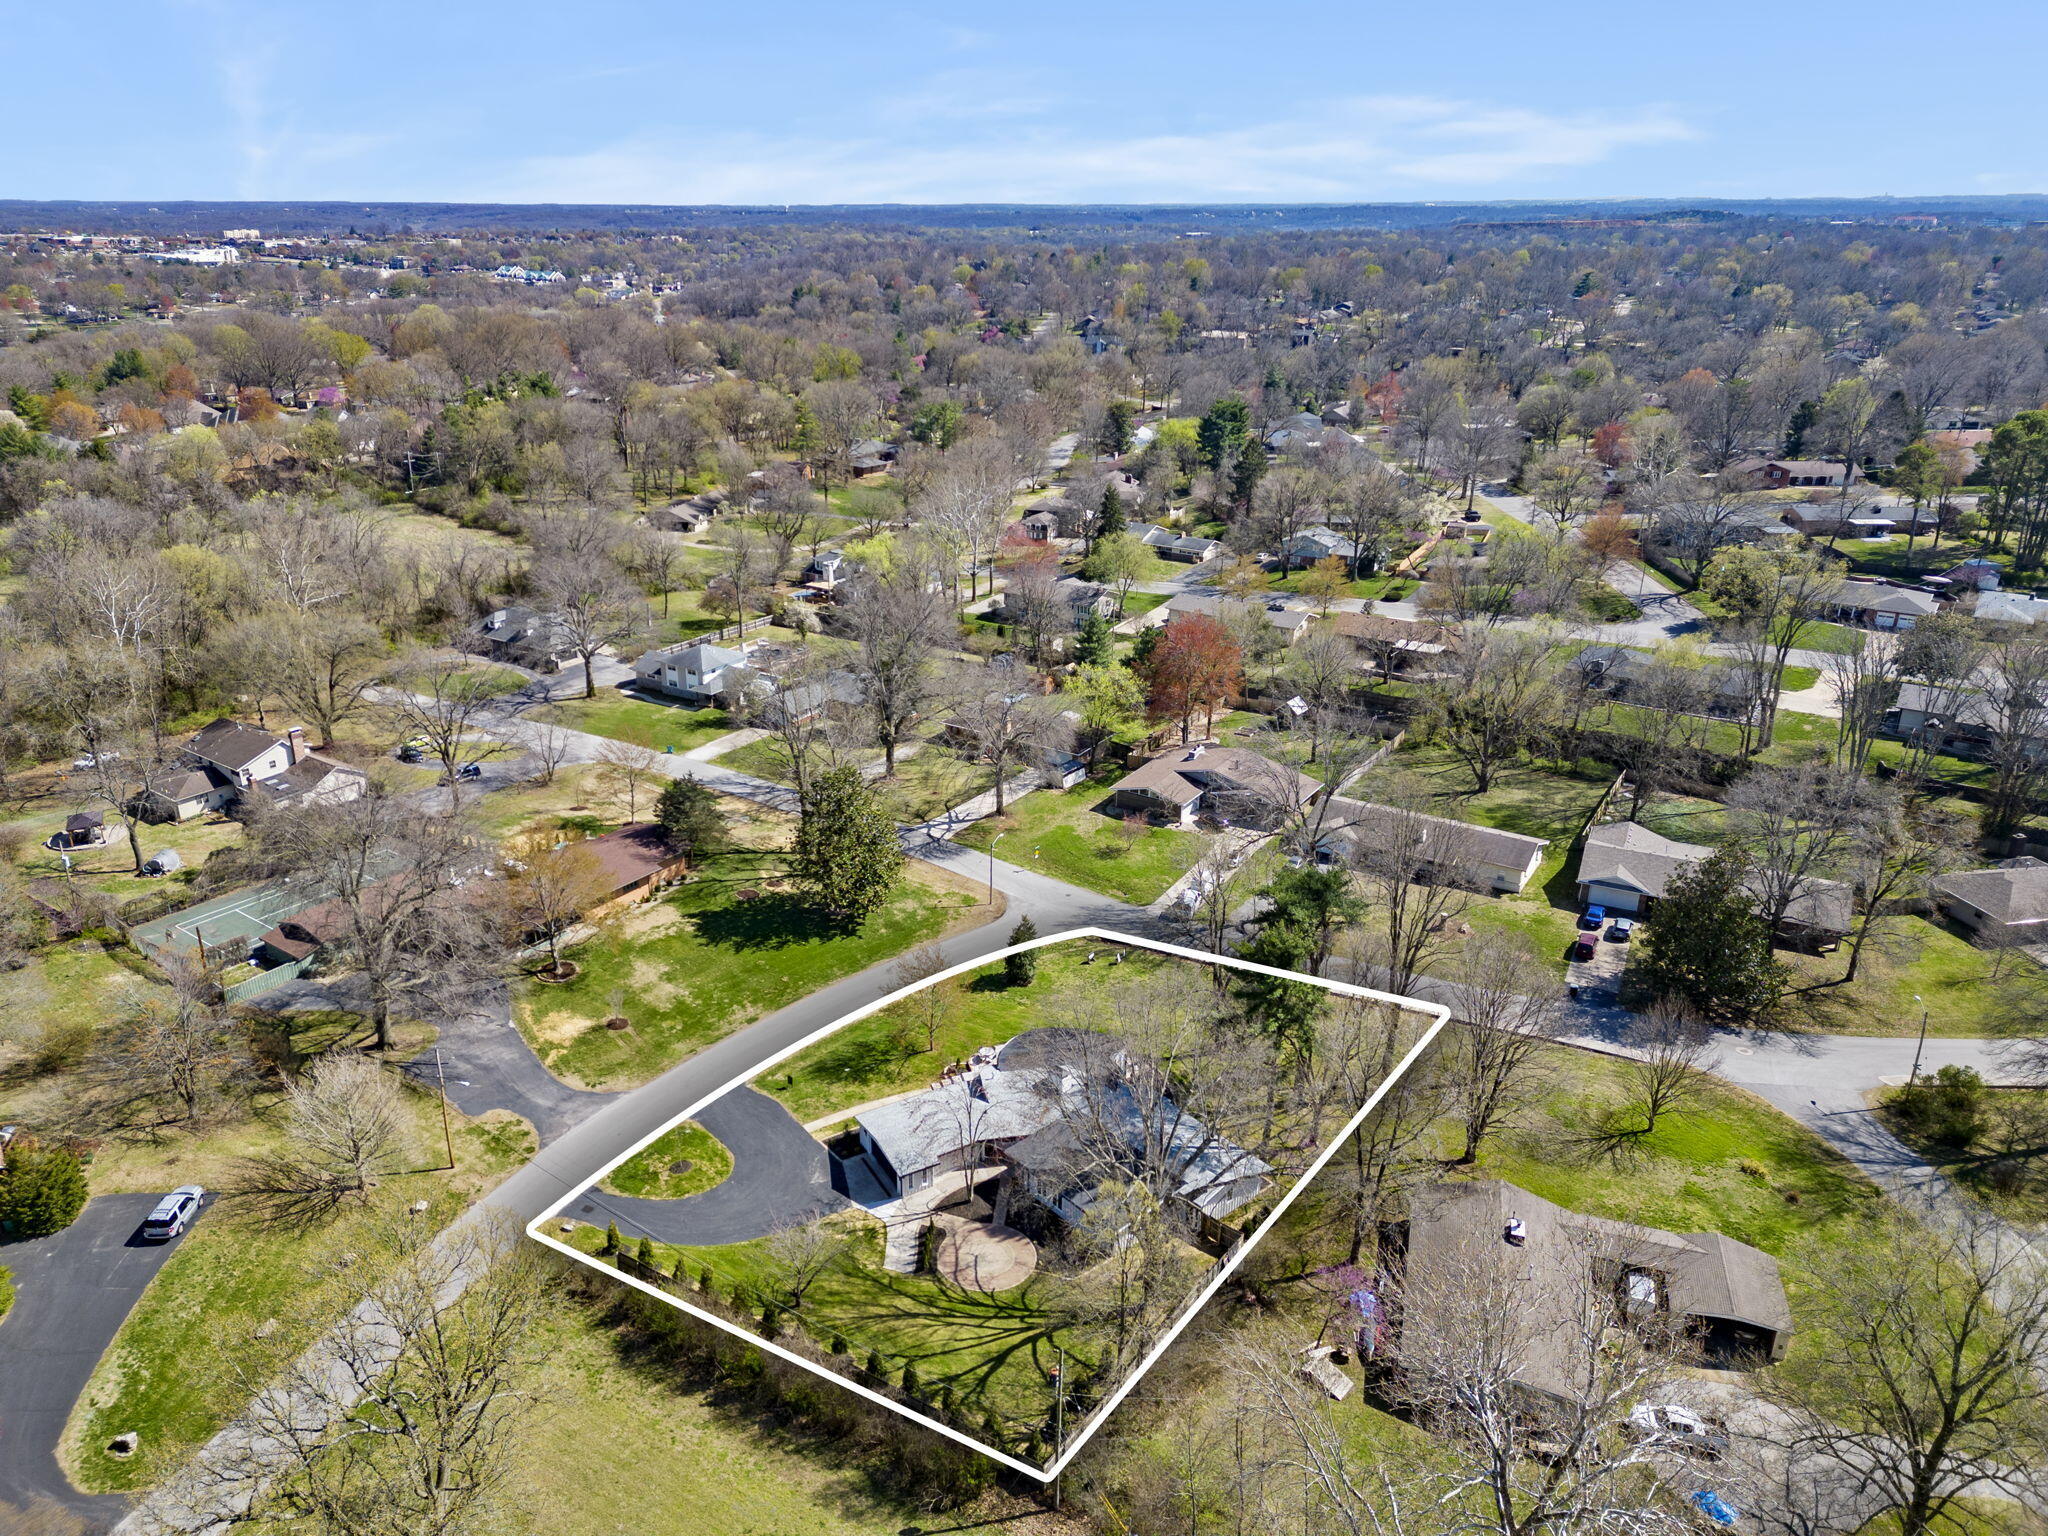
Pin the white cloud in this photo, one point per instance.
(1345, 150)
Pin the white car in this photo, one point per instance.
(1668, 1424)
(93, 760)
(174, 1213)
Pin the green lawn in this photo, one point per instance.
(1728, 1163)
(884, 1054)
(703, 959)
(1390, 589)
(111, 867)
(701, 1463)
(992, 1350)
(685, 1161)
(660, 726)
(1951, 976)
(230, 1279)
(1074, 835)
(74, 982)
(929, 781)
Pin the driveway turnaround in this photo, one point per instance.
(72, 1293)
(780, 1178)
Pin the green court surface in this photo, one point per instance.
(228, 924)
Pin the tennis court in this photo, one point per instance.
(227, 925)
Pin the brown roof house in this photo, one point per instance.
(2009, 898)
(229, 766)
(638, 860)
(1777, 474)
(1722, 1296)
(1232, 782)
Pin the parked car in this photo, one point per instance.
(1714, 1507)
(1592, 919)
(93, 760)
(174, 1213)
(1583, 949)
(1668, 1424)
(1620, 929)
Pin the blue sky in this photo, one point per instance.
(1043, 102)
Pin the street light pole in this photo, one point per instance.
(992, 867)
(1921, 1044)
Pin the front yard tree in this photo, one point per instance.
(1118, 561)
(445, 702)
(172, 1052)
(1494, 700)
(626, 768)
(42, 1190)
(848, 854)
(1095, 641)
(344, 1129)
(1196, 666)
(687, 813)
(402, 906)
(1110, 521)
(1508, 1015)
(548, 886)
(1934, 1384)
(1009, 723)
(595, 606)
(1021, 969)
(896, 625)
(798, 1257)
(1706, 946)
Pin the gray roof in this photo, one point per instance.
(2011, 607)
(986, 1104)
(1873, 597)
(1187, 773)
(1457, 1234)
(1629, 854)
(230, 743)
(699, 656)
(309, 772)
(2012, 894)
(1362, 821)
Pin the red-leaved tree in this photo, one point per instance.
(1196, 666)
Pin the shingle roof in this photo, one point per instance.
(2011, 894)
(1183, 776)
(231, 743)
(1871, 597)
(633, 852)
(1629, 854)
(1363, 821)
(310, 771)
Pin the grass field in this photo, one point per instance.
(73, 982)
(929, 781)
(111, 867)
(231, 1280)
(699, 961)
(659, 1172)
(659, 726)
(884, 1053)
(1074, 835)
(1952, 978)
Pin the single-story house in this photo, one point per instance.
(1967, 722)
(1619, 672)
(2010, 608)
(1290, 621)
(1082, 598)
(637, 860)
(1726, 1296)
(693, 515)
(1879, 605)
(1781, 474)
(869, 455)
(1441, 847)
(1176, 546)
(1964, 444)
(837, 693)
(1318, 543)
(1391, 645)
(1236, 782)
(1627, 868)
(521, 636)
(700, 671)
(1016, 1107)
(229, 762)
(2010, 897)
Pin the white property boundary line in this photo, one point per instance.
(1437, 1011)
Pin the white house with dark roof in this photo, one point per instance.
(1879, 606)
(1176, 546)
(229, 764)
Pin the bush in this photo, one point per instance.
(911, 1384)
(877, 1367)
(645, 1254)
(838, 1344)
(42, 1191)
(1947, 1107)
(6, 1289)
(611, 1238)
(1019, 970)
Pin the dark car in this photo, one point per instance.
(173, 1213)
(1583, 950)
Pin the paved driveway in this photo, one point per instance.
(780, 1178)
(72, 1293)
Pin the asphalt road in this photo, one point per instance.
(72, 1293)
(781, 1177)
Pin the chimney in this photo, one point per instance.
(294, 739)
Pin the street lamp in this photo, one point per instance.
(1921, 1045)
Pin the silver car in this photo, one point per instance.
(174, 1213)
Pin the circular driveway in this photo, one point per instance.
(781, 1177)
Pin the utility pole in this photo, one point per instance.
(1921, 1044)
(447, 1136)
(1059, 1417)
(992, 867)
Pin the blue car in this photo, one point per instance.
(1714, 1507)
(1592, 918)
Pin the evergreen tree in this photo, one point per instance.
(1095, 643)
(1146, 643)
(1222, 431)
(1803, 416)
(911, 1384)
(1110, 521)
(611, 1237)
(1706, 945)
(1246, 474)
(1115, 437)
(847, 854)
(644, 1254)
(42, 1191)
(1021, 969)
(687, 813)
(877, 1368)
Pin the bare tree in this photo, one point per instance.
(1008, 721)
(319, 665)
(626, 768)
(1797, 822)
(798, 1257)
(1418, 871)
(550, 746)
(174, 1047)
(1674, 1057)
(594, 607)
(1493, 700)
(896, 626)
(1508, 1011)
(344, 1129)
(445, 702)
(548, 886)
(934, 1002)
(402, 1421)
(1936, 1384)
